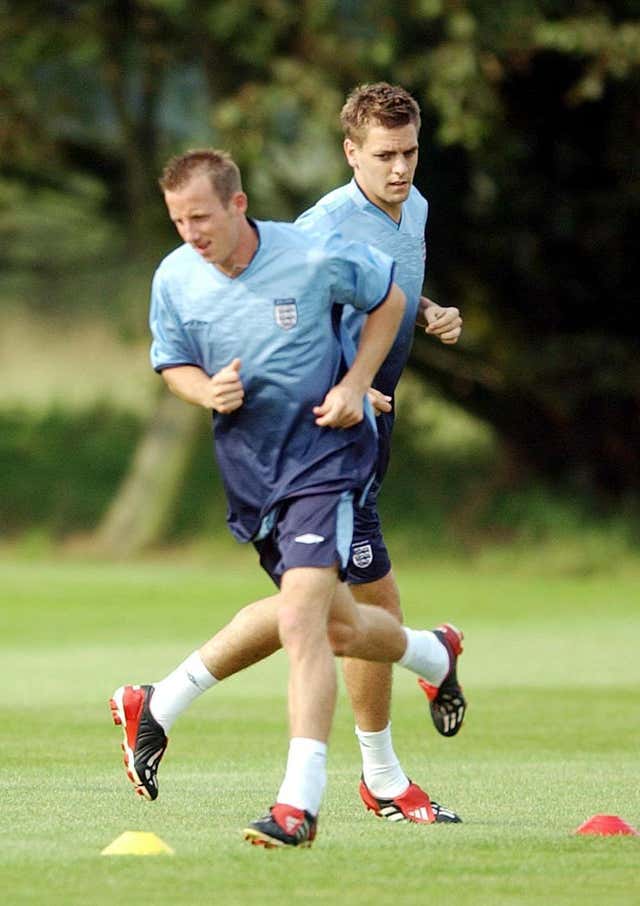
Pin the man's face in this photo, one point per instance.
(384, 165)
(202, 221)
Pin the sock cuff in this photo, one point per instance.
(408, 633)
(303, 746)
(373, 736)
(198, 673)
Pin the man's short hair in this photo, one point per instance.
(219, 166)
(379, 104)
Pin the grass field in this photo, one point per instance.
(551, 670)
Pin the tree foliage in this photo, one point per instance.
(530, 152)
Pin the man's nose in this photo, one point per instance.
(189, 231)
(400, 164)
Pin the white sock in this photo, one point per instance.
(380, 766)
(306, 774)
(173, 694)
(426, 655)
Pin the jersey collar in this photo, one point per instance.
(360, 199)
(250, 267)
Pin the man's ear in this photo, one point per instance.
(240, 202)
(350, 152)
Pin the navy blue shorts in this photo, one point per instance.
(368, 559)
(309, 531)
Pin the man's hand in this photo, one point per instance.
(341, 408)
(225, 392)
(379, 401)
(443, 323)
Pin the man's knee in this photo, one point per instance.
(341, 637)
(293, 623)
(303, 602)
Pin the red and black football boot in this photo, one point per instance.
(413, 805)
(446, 701)
(284, 825)
(144, 739)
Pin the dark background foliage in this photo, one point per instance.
(530, 151)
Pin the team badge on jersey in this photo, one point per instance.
(286, 313)
(362, 555)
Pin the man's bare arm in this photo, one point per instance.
(342, 407)
(223, 392)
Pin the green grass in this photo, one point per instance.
(551, 669)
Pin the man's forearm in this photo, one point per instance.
(376, 339)
(188, 382)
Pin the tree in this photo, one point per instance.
(530, 143)
(532, 125)
(545, 256)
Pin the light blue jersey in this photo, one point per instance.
(348, 211)
(281, 318)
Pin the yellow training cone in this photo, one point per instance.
(137, 843)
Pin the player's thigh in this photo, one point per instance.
(313, 585)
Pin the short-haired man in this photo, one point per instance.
(381, 206)
(244, 324)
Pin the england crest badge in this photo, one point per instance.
(286, 313)
(361, 555)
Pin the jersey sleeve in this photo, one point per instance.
(309, 220)
(361, 275)
(317, 221)
(170, 346)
